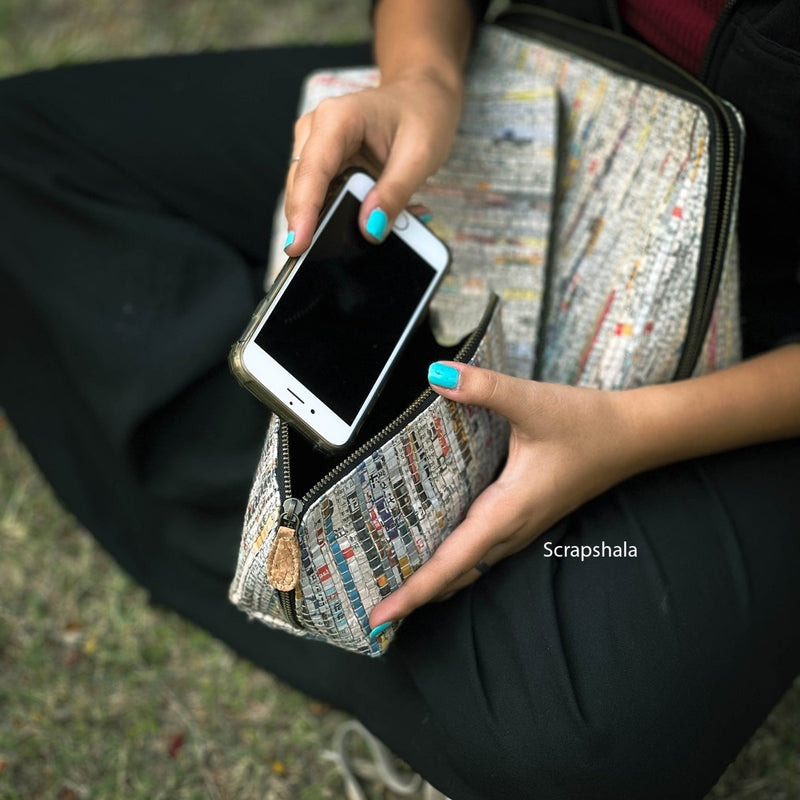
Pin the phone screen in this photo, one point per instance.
(344, 311)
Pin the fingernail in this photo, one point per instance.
(378, 630)
(376, 223)
(443, 375)
(426, 218)
(289, 239)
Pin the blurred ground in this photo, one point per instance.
(40, 33)
(102, 696)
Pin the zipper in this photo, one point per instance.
(724, 153)
(293, 507)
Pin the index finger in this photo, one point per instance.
(324, 140)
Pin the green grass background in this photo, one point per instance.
(102, 696)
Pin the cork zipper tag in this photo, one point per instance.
(283, 561)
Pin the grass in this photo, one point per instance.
(103, 696)
(42, 33)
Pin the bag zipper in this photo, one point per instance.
(724, 155)
(294, 507)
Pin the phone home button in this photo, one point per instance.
(401, 223)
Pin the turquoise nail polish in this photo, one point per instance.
(426, 218)
(289, 239)
(376, 224)
(443, 375)
(377, 631)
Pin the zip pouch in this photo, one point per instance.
(325, 539)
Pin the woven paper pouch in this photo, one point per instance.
(379, 520)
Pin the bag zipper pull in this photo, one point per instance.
(283, 560)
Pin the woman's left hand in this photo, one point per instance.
(567, 445)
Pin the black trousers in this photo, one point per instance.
(136, 198)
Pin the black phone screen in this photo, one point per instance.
(345, 309)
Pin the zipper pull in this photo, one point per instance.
(283, 560)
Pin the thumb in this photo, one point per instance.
(508, 396)
(406, 169)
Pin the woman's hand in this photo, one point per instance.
(567, 445)
(401, 131)
(570, 444)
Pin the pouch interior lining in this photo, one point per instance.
(405, 383)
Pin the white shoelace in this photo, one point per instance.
(380, 767)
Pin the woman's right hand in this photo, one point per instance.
(401, 131)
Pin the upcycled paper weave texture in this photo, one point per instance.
(626, 242)
(379, 522)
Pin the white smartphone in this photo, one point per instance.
(323, 342)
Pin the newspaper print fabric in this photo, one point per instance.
(630, 213)
(377, 524)
(723, 343)
(492, 203)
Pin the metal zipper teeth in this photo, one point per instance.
(723, 168)
(289, 607)
(465, 352)
(695, 338)
(287, 599)
(283, 468)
